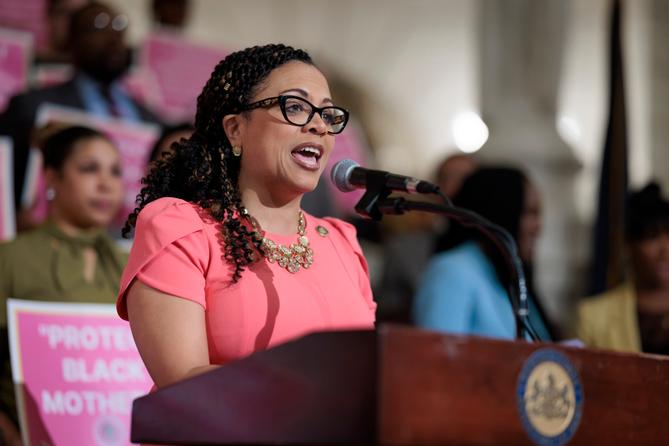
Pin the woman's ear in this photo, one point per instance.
(233, 126)
(50, 177)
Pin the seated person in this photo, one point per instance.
(101, 57)
(634, 317)
(464, 289)
(70, 257)
(405, 254)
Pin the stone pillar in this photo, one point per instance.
(521, 54)
(660, 93)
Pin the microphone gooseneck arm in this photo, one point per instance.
(499, 236)
(376, 202)
(348, 175)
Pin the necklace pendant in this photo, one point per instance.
(268, 244)
(292, 258)
(283, 262)
(293, 267)
(307, 262)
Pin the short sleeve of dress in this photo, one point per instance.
(170, 252)
(360, 269)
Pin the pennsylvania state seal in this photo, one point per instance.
(550, 397)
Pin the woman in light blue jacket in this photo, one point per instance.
(464, 288)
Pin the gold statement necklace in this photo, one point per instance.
(297, 255)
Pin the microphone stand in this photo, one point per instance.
(376, 202)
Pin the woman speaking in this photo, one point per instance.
(225, 262)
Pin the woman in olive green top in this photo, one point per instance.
(70, 257)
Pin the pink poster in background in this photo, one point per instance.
(349, 144)
(173, 72)
(15, 54)
(48, 75)
(26, 15)
(76, 371)
(7, 215)
(133, 139)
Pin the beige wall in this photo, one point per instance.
(417, 64)
(413, 62)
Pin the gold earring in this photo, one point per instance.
(237, 150)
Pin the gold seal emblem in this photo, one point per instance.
(550, 400)
(323, 232)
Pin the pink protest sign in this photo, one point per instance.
(15, 54)
(174, 71)
(7, 215)
(349, 144)
(133, 139)
(47, 75)
(76, 371)
(26, 15)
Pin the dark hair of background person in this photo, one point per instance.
(453, 170)
(498, 195)
(173, 13)
(203, 169)
(58, 147)
(495, 193)
(647, 213)
(167, 133)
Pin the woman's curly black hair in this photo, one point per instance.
(202, 169)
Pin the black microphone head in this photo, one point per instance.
(341, 174)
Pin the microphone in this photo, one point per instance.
(347, 175)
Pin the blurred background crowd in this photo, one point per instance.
(546, 117)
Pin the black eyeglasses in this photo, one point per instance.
(298, 111)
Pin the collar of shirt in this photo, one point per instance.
(95, 102)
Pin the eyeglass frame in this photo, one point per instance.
(281, 100)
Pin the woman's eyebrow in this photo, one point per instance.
(299, 91)
(304, 94)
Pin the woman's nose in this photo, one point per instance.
(107, 181)
(317, 125)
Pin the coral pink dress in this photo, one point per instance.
(177, 250)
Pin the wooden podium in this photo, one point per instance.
(404, 386)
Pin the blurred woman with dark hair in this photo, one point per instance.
(634, 316)
(70, 257)
(464, 289)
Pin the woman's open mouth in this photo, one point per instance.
(308, 155)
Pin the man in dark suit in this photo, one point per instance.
(100, 58)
